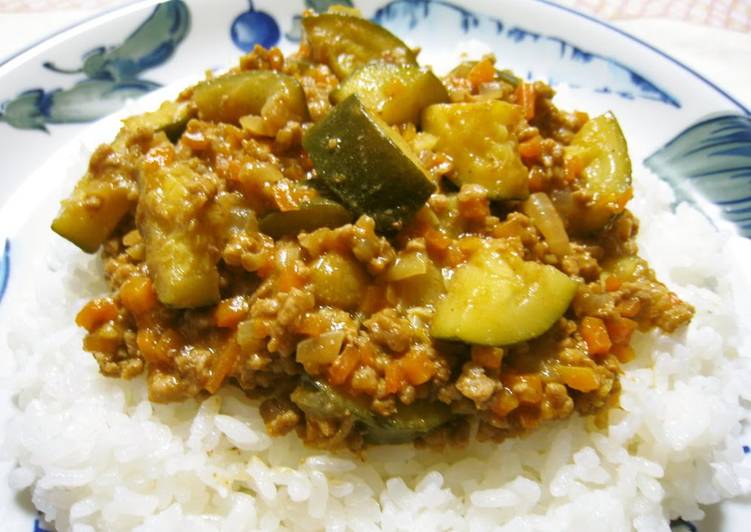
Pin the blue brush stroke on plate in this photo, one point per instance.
(679, 525)
(4, 269)
(111, 75)
(711, 160)
(253, 28)
(519, 49)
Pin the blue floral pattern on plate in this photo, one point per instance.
(111, 75)
(4, 268)
(711, 161)
(559, 60)
(253, 28)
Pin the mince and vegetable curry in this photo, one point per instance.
(379, 254)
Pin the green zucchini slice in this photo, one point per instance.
(346, 43)
(398, 93)
(368, 166)
(497, 298)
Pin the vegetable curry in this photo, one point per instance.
(377, 254)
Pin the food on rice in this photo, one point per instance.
(97, 454)
(381, 255)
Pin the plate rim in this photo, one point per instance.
(9, 62)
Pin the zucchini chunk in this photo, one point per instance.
(398, 93)
(320, 400)
(600, 149)
(368, 166)
(497, 298)
(101, 198)
(477, 136)
(346, 43)
(320, 212)
(234, 95)
(179, 244)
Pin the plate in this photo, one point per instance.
(690, 132)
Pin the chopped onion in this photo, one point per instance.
(408, 265)
(320, 350)
(543, 214)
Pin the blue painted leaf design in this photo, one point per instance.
(4, 269)
(111, 75)
(254, 27)
(679, 525)
(711, 160)
(532, 54)
(150, 45)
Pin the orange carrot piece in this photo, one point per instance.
(394, 377)
(612, 283)
(527, 388)
(525, 97)
(503, 403)
(531, 149)
(572, 167)
(596, 336)
(223, 366)
(288, 279)
(229, 312)
(156, 347)
(138, 295)
(624, 353)
(579, 378)
(620, 329)
(436, 242)
(418, 367)
(482, 72)
(487, 357)
(96, 313)
(344, 365)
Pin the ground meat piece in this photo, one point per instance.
(390, 330)
(252, 251)
(279, 415)
(473, 203)
(365, 380)
(119, 364)
(474, 384)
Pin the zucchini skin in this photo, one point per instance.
(368, 166)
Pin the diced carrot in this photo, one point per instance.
(504, 402)
(624, 353)
(536, 181)
(527, 388)
(418, 367)
(596, 336)
(344, 365)
(229, 312)
(487, 357)
(453, 256)
(223, 365)
(367, 355)
(612, 283)
(138, 295)
(531, 149)
(94, 343)
(482, 72)
(96, 313)
(394, 377)
(288, 279)
(436, 242)
(579, 378)
(620, 329)
(581, 117)
(155, 346)
(572, 167)
(525, 97)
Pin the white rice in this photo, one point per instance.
(96, 455)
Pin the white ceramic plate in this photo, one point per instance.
(680, 125)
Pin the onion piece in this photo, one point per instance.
(543, 214)
(320, 350)
(408, 265)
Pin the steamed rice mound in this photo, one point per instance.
(95, 454)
